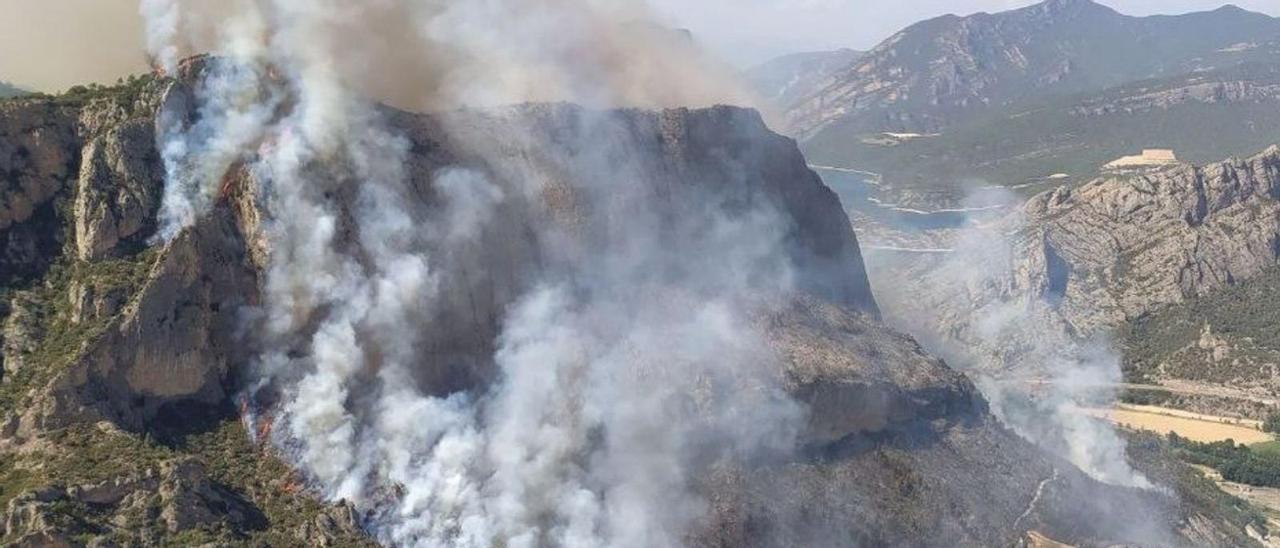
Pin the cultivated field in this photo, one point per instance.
(1193, 426)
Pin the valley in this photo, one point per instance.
(1029, 148)
(1192, 426)
(1113, 249)
(1033, 98)
(530, 274)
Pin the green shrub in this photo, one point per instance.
(1236, 463)
(1272, 423)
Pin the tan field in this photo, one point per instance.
(1196, 427)
(1036, 539)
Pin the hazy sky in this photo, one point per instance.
(749, 31)
(52, 44)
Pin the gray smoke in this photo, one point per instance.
(161, 20)
(197, 154)
(628, 366)
(977, 307)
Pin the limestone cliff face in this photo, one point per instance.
(1216, 92)
(1124, 245)
(114, 336)
(168, 342)
(38, 155)
(169, 353)
(937, 72)
(1080, 261)
(118, 189)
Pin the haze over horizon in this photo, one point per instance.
(79, 41)
(753, 31)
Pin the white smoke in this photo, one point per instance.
(161, 20)
(418, 55)
(619, 375)
(989, 319)
(197, 154)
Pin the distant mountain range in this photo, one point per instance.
(935, 72)
(10, 90)
(791, 78)
(1010, 98)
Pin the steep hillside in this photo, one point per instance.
(1228, 337)
(1107, 251)
(1127, 244)
(83, 168)
(122, 357)
(938, 72)
(1032, 146)
(1161, 278)
(786, 79)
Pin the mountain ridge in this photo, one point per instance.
(1031, 147)
(115, 343)
(932, 73)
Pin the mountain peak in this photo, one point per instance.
(1054, 7)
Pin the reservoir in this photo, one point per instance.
(858, 192)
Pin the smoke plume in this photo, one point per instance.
(624, 367)
(987, 309)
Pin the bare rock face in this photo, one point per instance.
(178, 495)
(118, 191)
(331, 527)
(1230, 91)
(902, 451)
(899, 447)
(38, 158)
(19, 336)
(1121, 246)
(858, 377)
(188, 499)
(171, 351)
(1084, 260)
(937, 72)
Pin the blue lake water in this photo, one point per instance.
(858, 191)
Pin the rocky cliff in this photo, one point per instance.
(1127, 244)
(1085, 260)
(122, 357)
(937, 72)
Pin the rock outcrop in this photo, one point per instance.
(1081, 261)
(118, 189)
(1208, 92)
(147, 340)
(943, 70)
(179, 497)
(1118, 247)
(38, 158)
